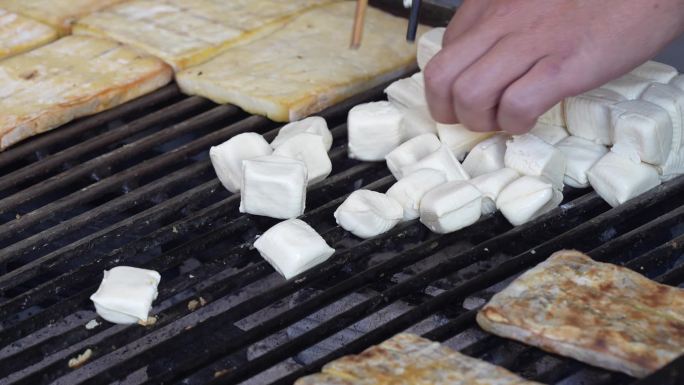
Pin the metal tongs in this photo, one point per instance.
(359, 18)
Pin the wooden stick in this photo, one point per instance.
(361, 6)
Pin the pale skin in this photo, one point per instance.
(506, 62)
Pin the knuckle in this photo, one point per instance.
(468, 94)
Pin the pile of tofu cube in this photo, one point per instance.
(622, 139)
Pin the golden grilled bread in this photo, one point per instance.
(69, 78)
(306, 65)
(189, 32)
(20, 34)
(407, 359)
(598, 313)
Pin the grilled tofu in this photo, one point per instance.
(72, 77)
(306, 65)
(60, 14)
(597, 313)
(407, 359)
(20, 34)
(188, 32)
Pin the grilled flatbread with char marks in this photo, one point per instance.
(72, 77)
(20, 34)
(306, 65)
(597, 313)
(407, 359)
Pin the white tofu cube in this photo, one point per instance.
(460, 139)
(642, 132)
(527, 198)
(491, 185)
(310, 149)
(451, 207)
(428, 46)
(588, 115)
(617, 179)
(126, 294)
(416, 122)
(530, 155)
(274, 186)
(410, 190)
(487, 156)
(630, 86)
(227, 157)
(407, 93)
(312, 125)
(443, 160)
(555, 116)
(673, 167)
(654, 71)
(671, 99)
(580, 156)
(368, 213)
(549, 133)
(678, 82)
(293, 247)
(411, 152)
(374, 130)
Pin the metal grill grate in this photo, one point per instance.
(134, 186)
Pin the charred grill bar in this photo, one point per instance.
(134, 186)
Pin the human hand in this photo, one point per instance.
(506, 62)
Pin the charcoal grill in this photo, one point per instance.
(134, 186)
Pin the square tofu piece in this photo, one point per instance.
(442, 160)
(273, 186)
(411, 152)
(311, 125)
(642, 132)
(185, 33)
(617, 179)
(227, 157)
(416, 122)
(530, 155)
(527, 198)
(491, 185)
(580, 156)
(655, 72)
(598, 313)
(428, 45)
(588, 115)
(374, 130)
(59, 14)
(310, 149)
(410, 190)
(307, 65)
(487, 156)
(550, 133)
(293, 247)
(460, 139)
(126, 294)
(555, 116)
(630, 86)
(20, 34)
(408, 93)
(70, 78)
(451, 207)
(368, 213)
(671, 99)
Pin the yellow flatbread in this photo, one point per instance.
(20, 34)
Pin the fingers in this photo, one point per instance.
(466, 17)
(448, 64)
(477, 90)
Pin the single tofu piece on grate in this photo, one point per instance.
(227, 157)
(306, 65)
(374, 130)
(617, 179)
(416, 122)
(273, 186)
(527, 198)
(588, 115)
(630, 86)
(126, 294)
(655, 71)
(530, 155)
(598, 313)
(411, 152)
(311, 125)
(408, 93)
(451, 207)
(310, 149)
(70, 78)
(368, 213)
(459, 138)
(185, 33)
(580, 156)
(671, 99)
(487, 156)
(642, 132)
(20, 34)
(407, 359)
(550, 133)
(293, 247)
(443, 160)
(428, 46)
(59, 14)
(491, 185)
(555, 116)
(410, 190)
